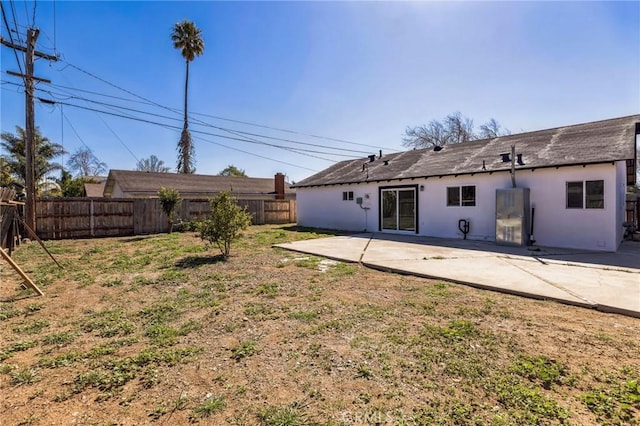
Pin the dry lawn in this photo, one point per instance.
(158, 329)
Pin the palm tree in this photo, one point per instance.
(45, 151)
(188, 38)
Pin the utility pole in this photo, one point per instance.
(30, 157)
(30, 128)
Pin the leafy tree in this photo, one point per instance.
(45, 152)
(188, 39)
(231, 170)
(85, 163)
(151, 164)
(73, 187)
(170, 202)
(48, 188)
(455, 128)
(225, 222)
(6, 175)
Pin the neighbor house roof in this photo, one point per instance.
(94, 190)
(589, 143)
(189, 185)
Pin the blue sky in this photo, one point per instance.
(355, 71)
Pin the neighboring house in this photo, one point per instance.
(134, 184)
(576, 178)
(95, 189)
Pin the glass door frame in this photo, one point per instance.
(397, 188)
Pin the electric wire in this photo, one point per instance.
(203, 123)
(212, 116)
(15, 21)
(233, 131)
(6, 23)
(300, 151)
(240, 135)
(76, 132)
(113, 132)
(296, 151)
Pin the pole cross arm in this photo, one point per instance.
(24, 49)
(17, 74)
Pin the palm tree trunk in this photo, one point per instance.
(186, 94)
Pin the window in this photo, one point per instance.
(588, 194)
(574, 195)
(347, 196)
(461, 196)
(453, 196)
(594, 194)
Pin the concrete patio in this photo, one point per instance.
(606, 281)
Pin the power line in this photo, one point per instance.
(294, 150)
(240, 139)
(75, 131)
(288, 131)
(112, 131)
(217, 117)
(178, 130)
(6, 24)
(300, 151)
(15, 21)
(220, 128)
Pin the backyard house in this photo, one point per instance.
(571, 188)
(135, 184)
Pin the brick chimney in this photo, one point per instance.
(279, 183)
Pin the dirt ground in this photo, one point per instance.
(159, 329)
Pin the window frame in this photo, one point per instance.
(456, 196)
(589, 193)
(347, 195)
(594, 201)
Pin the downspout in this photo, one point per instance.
(513, 166)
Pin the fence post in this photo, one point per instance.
(92, 219)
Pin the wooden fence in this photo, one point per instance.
(62, 218)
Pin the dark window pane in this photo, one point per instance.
(453, 196)
(468, 195)
(389, 210)
(406, 207)
(574, 195)
(594, 194)
(350, 195)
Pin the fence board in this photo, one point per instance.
(61, 218)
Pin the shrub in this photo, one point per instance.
(170, 202)
(226, 221)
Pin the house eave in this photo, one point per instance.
(469, 173)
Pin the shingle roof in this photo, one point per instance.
(149, 183)
(94, 190)
(588, 143)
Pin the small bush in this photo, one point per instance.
(170, 202)
(226, 221)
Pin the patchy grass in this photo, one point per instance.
(158, 329)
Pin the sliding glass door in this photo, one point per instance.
(398, 209)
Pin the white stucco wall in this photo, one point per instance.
(555, 225)
(323, 207)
